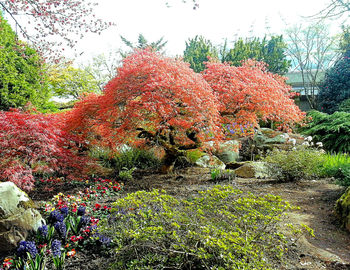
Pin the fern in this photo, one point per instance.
(332, 130)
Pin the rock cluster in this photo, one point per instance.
(18, 216)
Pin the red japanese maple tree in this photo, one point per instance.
(153, 99)
(35, 144)
(249, 94)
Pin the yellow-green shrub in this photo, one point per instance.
(221, 228)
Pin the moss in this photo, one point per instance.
(193, 155)
(342, 208)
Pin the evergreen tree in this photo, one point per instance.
(142, 43)
(22, 77)
(271, 51)
(197, 51)
(335, 89)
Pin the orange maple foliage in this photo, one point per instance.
(152, 99)
(249, 93)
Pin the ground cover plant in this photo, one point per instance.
(220, 228)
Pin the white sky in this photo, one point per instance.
(215, 20)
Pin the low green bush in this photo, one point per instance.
(337, 166)
(301, 163)
(221, 228)
(219, 174)
(133, 158)
(342, 175)
(332, 130)
(332, 162)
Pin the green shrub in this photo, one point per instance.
(221, 228)
(126, 174)
(301, 163)
(332, 162)
(219, 174)
(332, 130)
(337, 166)
(342, 175)
(133, 158)
(345, 106)
(194, 155)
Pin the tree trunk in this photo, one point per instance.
(168, 162)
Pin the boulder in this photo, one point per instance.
(342, 208)
(235, 165)
(266, 140)
(253, 170)
(228, 151)
(268, 136)
(208, 161)
(17, 216)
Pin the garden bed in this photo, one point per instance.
(329, 248)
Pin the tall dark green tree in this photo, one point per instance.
(335, 89)
(143, 43)
(22, 76)
(197, 51)
(272, 51)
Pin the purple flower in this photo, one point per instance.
(25, 247)
(43, 231)
(56, 248)
(22, 249)
(84, 220)
(102, 239)
(61, 229)
(55, 216)
(81, 211)
(31, 248)
(64, 211)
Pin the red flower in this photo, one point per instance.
(97, 206)
(74, 238)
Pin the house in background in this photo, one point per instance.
(306, 86)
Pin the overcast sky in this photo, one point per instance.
(214, 19)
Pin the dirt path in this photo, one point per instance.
(330, 248)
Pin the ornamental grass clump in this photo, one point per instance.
(220, 228)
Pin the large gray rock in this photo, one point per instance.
(268, 136)
(266, 140)
(253, 170)
(17, 216)
(208, 161)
